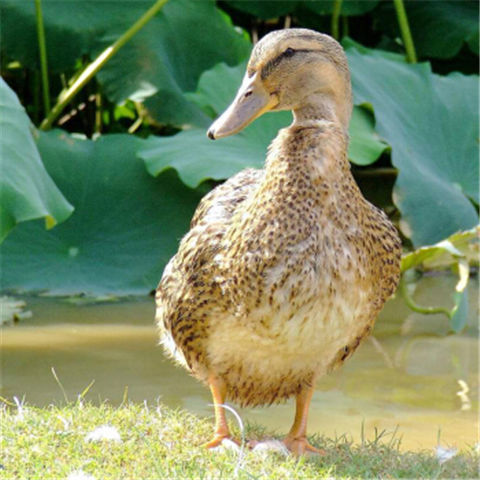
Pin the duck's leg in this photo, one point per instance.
(296, 439)
(219, 390)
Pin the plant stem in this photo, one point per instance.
(337, 7)
(135, 125)
(98, 112)
(66, 95)
(418, 308)
(43, 56)
(405, 30)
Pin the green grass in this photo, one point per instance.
(160, 443)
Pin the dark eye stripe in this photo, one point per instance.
(272, 64)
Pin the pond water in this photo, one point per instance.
(409, 374)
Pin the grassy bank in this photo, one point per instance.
(154, 442)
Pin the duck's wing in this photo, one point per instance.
(221, 203)
(189, 291)
(208, 226)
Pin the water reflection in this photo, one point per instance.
(409, 374)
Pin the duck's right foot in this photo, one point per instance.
(217, 441)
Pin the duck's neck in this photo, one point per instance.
(314, 150)
(320, 106)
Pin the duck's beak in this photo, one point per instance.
(252, 100)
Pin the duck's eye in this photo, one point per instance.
(289, 52)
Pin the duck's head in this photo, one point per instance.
(293, 69)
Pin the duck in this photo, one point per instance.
(284, 269)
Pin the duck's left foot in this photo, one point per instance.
(300, 446)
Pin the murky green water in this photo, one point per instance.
(409, 374)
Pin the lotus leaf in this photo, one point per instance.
(26, 189)
(431, 122)
(125, 227)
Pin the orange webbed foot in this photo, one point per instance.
(300, 446)
(217, 441)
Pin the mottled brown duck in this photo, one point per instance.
(284, 269)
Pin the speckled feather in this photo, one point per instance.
(285, 269)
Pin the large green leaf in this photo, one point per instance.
(157, 65)
(26, 189)
(431, 122)
(196, 158)
(125, 227)
(439, 28)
